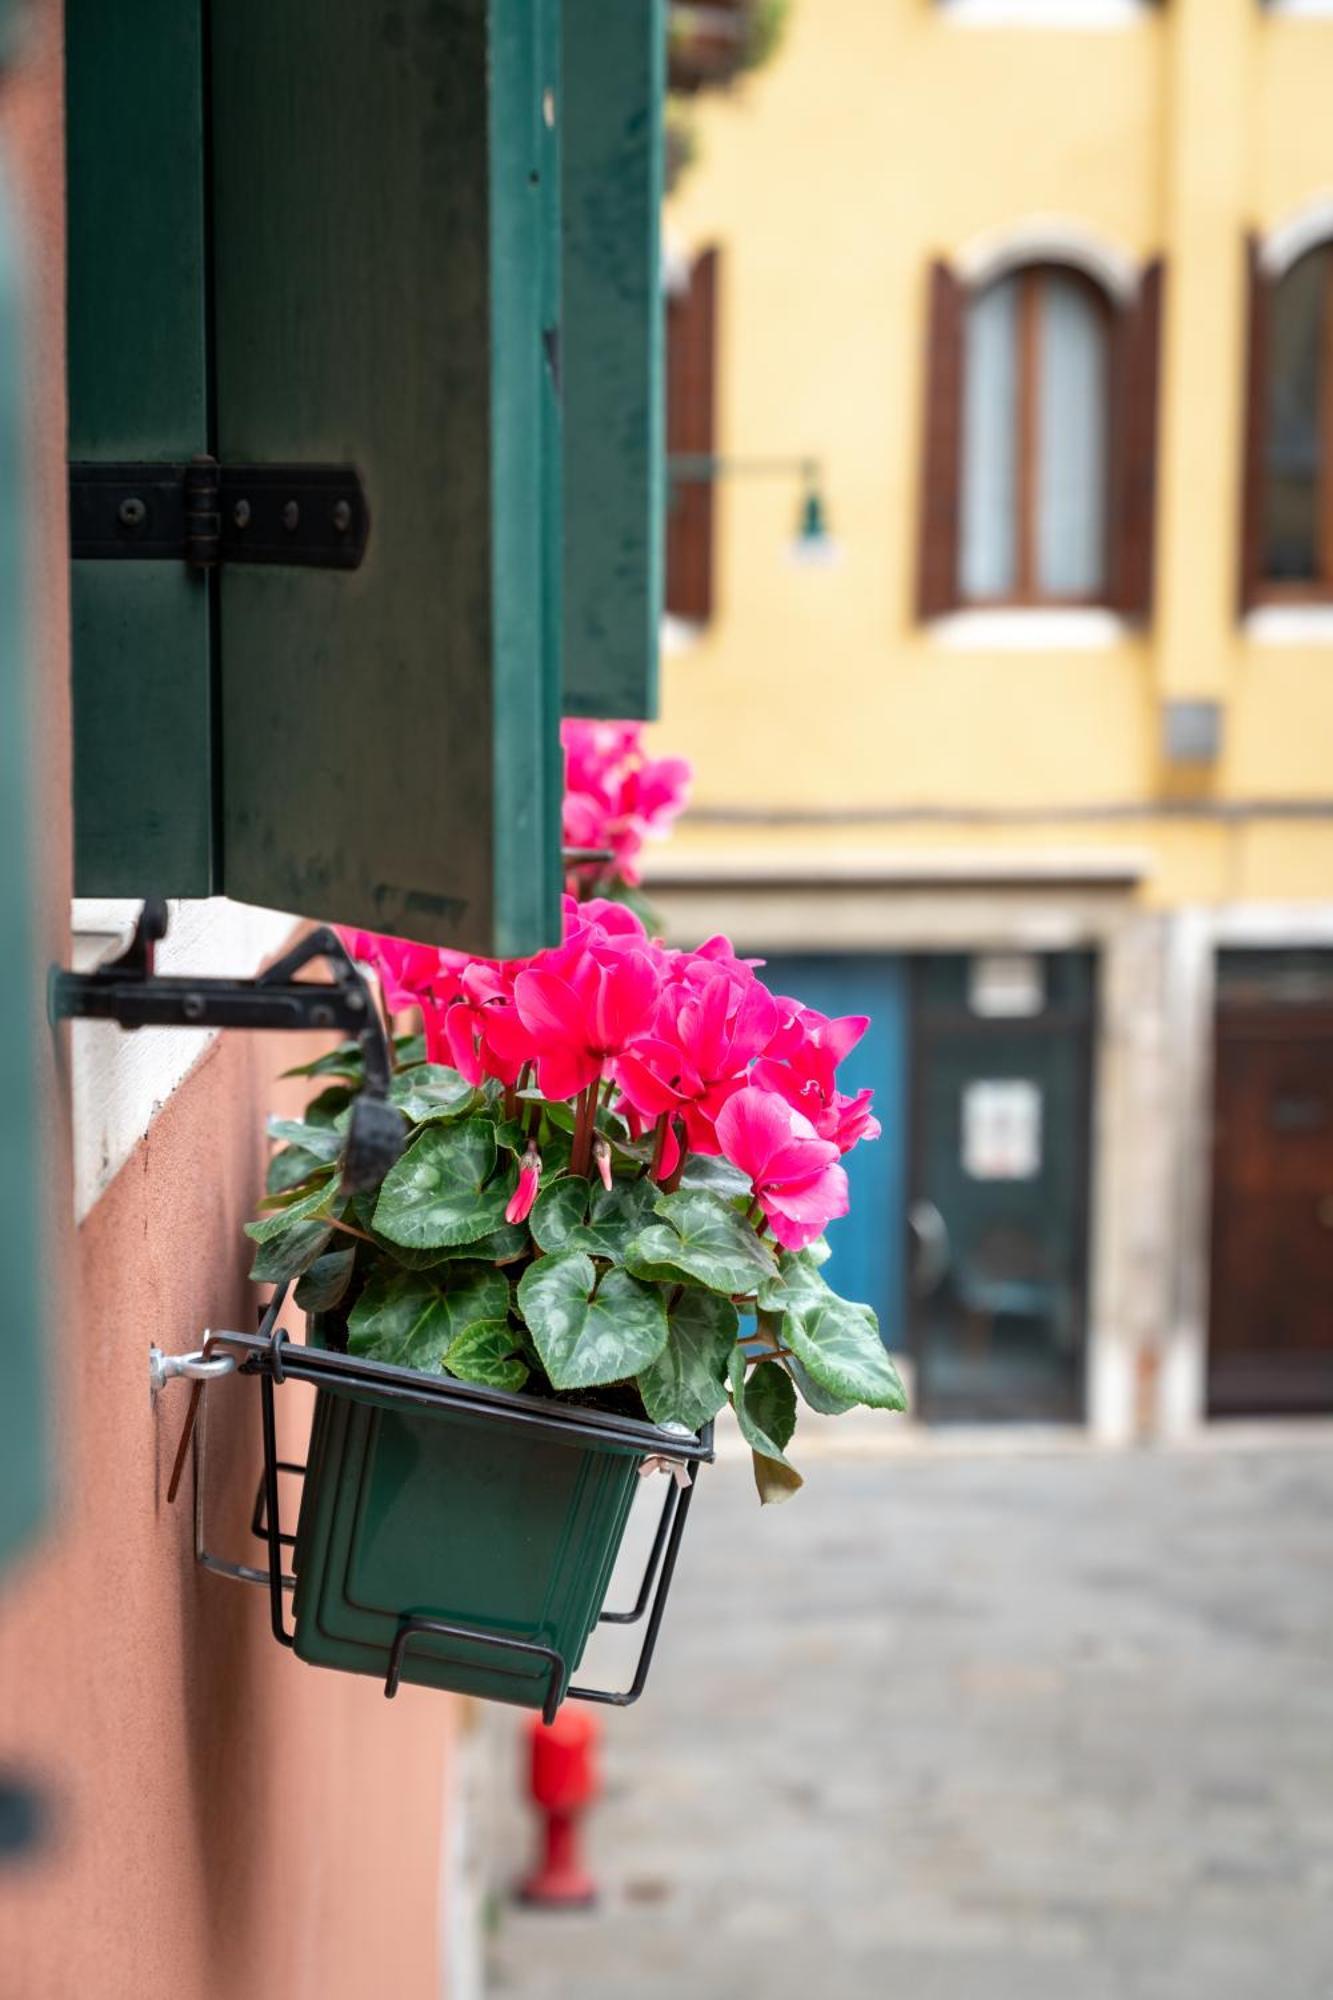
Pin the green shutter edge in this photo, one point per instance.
(614, 354)
(527, 130)
(23, 1470)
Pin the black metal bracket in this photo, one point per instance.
(132, 993)
(203, 513)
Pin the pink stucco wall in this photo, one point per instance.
(225, 1823)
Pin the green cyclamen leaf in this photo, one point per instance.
(485, 1355)
(441, 1191)
(585, 1331)
(816, 1395)
(701, 1239)
(687, 1383)
(322, 1203)
(346, 1060)
(411, 1320)
(840, 1346)
(323, 1285)
(281, 1258)
(798, 1280)
(765, 1406)
(430, 1093)
(290, 1168)
(321, 1140)
(574, 1214)
(718, 1176)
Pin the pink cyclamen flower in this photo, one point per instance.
(581, 1004)
(794, 1173)
(479, 1034)
(801, 1063)
(616, 795)
(713, 1019)
(529, 1180)
(404, 970)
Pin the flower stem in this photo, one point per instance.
(584, 1121)
(347, 1228)
(659, 1146)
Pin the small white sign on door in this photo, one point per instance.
(1002, 1129)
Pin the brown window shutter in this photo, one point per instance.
(937, 571)
(1256, 430)
(1134, 400)
(691, 429)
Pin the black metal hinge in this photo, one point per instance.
(134, 994)
(203, 513)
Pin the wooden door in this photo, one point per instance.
(1271, 1336)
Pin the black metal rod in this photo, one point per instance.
(636, 1686)
(270, 1429)
(409, 1627)
(645, 1588)
(408, 1386)
(259, 1513)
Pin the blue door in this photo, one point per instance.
(868, 1244)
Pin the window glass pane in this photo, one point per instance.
(990, 388)
(1071, 440)
(1291, 493)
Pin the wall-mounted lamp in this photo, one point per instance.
(812, 545)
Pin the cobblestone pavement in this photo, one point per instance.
(1045, 1725)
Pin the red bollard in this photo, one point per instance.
(563, 1780)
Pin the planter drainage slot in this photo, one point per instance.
(448, 1535)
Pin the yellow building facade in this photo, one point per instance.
(1007, 775)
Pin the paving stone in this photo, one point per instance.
(1055, 1725)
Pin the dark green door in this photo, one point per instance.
(999, 1186)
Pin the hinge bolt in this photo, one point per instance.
(132, 513)
(291, 517)
(342, 516)
(240, 513)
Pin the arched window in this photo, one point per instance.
(1035, 467)
(1040, 440)
(1296, 411)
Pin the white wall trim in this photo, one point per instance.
(1044, 13)
(1047, 239)
(1290, 625)
(119, 1081)
(1029, 629)
(1307, 227)
(679, 635)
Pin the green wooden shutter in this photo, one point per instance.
(382, 229)
(143, 740)
(22, 1430)
(614, 95)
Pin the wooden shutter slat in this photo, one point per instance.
(937, 569)
(691, 429)
(1256, 429)
(1134, 412)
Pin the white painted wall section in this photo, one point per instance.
(120, 1081)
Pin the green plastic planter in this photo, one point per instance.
(500, 1516)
